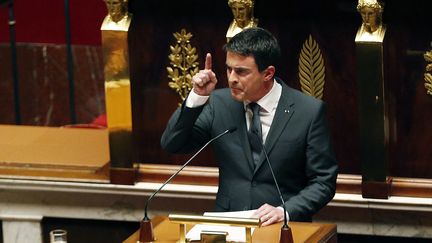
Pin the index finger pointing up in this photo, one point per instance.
(208, 62)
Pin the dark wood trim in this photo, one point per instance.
(413, 187)
(346, 183)
(195, 175)
(123, 176)
(56, 174)
(377, 189)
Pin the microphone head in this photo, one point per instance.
(232, 129)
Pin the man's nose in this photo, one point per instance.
(232, 77)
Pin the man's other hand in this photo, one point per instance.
(269, 214)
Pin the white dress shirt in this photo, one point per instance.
(268, 105)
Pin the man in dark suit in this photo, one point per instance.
(290, 125)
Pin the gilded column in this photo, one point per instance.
(117, 90)
(373, 119)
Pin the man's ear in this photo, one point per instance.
(269, 73)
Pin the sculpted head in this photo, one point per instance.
(117, 9)
(242, 11)
(371, 13)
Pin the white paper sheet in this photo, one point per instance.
(234, 214)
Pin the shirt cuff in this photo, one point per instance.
(194, 100)
(281, 208)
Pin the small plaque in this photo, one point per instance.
(213, 236)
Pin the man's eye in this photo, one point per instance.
(240, 71)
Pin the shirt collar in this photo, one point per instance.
(269, 101)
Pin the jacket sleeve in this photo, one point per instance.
(320, 169)
(187, 129)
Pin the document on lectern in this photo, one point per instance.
(234, 233)
(233, 214)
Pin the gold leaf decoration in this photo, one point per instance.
(311, 69)
(428, 73)
(184, 64)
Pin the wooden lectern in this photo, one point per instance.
(166, 231)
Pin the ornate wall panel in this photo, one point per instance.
(333, 24)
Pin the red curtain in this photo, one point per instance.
(43, 21)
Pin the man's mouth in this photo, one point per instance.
(236, 90)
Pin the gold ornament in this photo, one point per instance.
(311, 69)
(375, 4)
(184, 65)
(248, 3)
(428, 73)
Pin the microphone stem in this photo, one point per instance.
(181, 168)
(277, 187)
(285, 225)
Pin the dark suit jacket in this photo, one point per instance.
(298, 146)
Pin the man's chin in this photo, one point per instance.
(237, 97)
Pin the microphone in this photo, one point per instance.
(286, 234)
(146, 228)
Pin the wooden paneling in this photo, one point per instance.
(48, 153)
(333, 25)
(346, 183)
(166, 231)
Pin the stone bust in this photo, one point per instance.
(118, 17)
(372, 28)
(243, 16)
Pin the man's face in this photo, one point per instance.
(370, 17)
(241, 13)
(244, 79)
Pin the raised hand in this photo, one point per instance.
(205, 80)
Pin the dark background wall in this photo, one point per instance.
(333, 24)
(42, 64)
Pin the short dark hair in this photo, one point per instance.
(256, 42)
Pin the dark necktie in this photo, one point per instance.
(254, 133)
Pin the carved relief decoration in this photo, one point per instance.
(428, 73)
(184, 65)
(311, 69)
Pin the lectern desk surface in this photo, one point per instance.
(168, 232)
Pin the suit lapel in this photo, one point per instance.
(284, 111)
